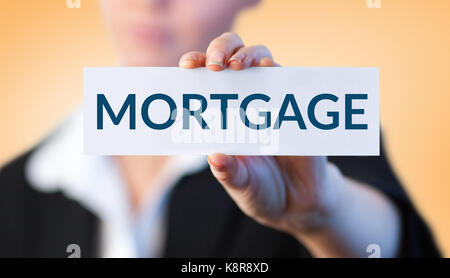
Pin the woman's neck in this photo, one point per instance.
(139, 173)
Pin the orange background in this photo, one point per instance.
(44, 47)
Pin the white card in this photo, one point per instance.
(257, 111)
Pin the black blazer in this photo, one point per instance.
(202, 219)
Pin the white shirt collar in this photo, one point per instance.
(94, 181)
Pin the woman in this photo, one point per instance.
(53, 197)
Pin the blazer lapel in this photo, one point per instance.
(199, 211)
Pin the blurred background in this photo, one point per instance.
(45, 46)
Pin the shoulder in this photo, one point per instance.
(12, 175)
(35, 223)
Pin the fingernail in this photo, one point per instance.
(222, 167)
(216, 58)
(188, 61)
(237, 57)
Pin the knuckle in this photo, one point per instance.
(231, 37)
(228, 41)
(262, 49)
(229, 34)
(189, 54)
(218, 42)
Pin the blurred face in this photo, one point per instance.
(158, 32)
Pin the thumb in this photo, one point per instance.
(230, 171)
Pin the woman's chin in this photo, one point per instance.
(146, 61)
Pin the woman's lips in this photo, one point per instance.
(151, 35)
